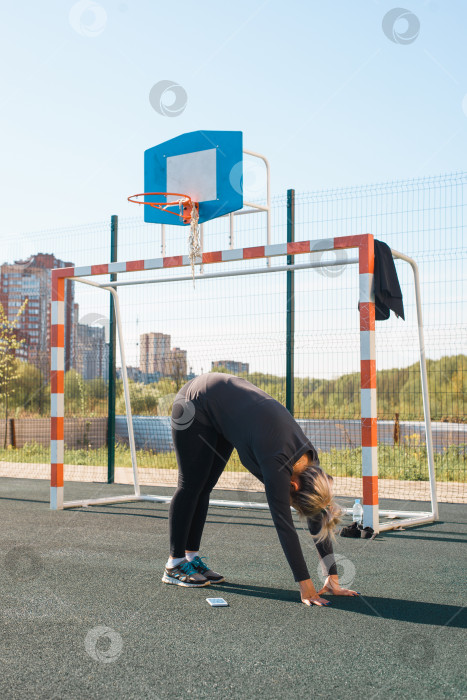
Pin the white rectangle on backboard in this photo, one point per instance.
(194, 174)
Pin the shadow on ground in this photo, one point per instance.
(386, 608)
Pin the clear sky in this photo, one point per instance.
(318, 87)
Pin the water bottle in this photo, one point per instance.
(357, 511)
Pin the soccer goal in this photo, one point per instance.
(225, 313)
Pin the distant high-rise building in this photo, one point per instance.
(91, 357)
(154, 350)
(176, 363)
(31, 279)
(231, 366)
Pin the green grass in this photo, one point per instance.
(406, 462)
(403, 463)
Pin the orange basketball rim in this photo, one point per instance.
(184, 202)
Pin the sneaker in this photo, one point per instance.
(368, 533)
(185, 574)
(351, 531)
(201, 568)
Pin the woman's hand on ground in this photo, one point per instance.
(332, 585)
(309, 595)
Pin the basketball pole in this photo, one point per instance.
(112, 359)
(290, 340)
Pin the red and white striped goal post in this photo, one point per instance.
(363, 243)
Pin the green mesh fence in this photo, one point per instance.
(174, 331)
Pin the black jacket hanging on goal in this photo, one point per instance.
(388, 295)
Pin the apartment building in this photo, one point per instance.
(31, 280)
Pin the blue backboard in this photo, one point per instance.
(206, 165)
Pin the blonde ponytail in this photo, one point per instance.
(314, 499)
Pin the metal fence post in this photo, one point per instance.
(290, 348)
(112, 359)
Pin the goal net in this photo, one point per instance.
(345, 380)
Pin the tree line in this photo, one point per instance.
(399, 391)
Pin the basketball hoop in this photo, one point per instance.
(184, 203)
(188, 213)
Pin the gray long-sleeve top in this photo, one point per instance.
(268, 441)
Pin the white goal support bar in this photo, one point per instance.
(365, 246)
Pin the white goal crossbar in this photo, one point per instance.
(365, 247)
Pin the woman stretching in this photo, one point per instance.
(212, 415)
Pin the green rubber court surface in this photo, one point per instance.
(84, 613)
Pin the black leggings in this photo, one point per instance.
(202, 455)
